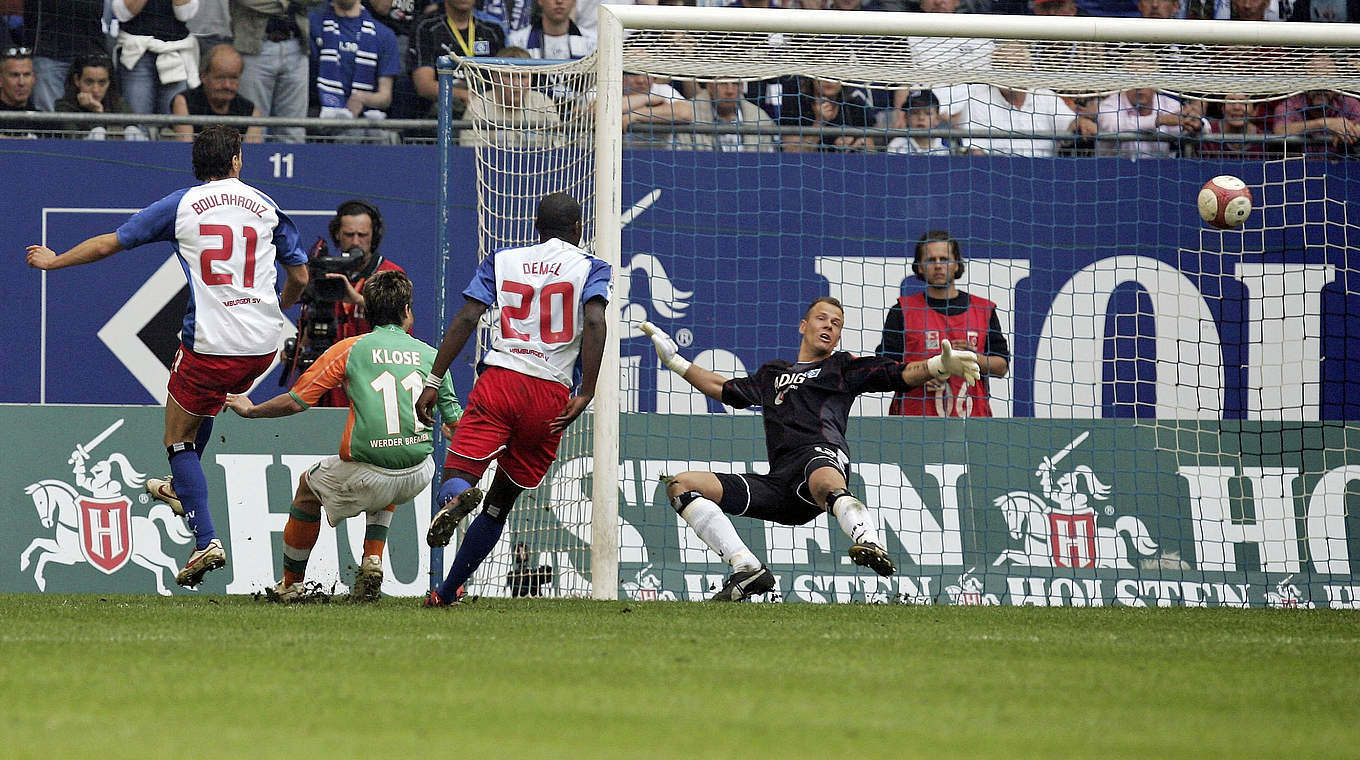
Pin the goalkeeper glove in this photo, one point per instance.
(666, 348)
(950, 363)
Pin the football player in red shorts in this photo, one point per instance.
(551, 298)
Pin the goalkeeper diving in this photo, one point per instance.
(806, 406)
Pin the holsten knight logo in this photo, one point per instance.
(1059, 527)
(969, 592)
(92, 521)
(647, 587)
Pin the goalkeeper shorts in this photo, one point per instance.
(783, 495)
(350, 488)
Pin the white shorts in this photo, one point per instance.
(350, 488)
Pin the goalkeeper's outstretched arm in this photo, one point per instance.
(707, 382)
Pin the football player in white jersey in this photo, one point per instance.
(550, 300)
(228, 236)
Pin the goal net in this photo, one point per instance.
(531, 134)
(1171, 427)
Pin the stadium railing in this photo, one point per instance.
(50, 124)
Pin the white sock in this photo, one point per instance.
(855, 520)
(717, 532)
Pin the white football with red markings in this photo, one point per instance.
(1225, 202)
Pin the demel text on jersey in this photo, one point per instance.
(553, 268)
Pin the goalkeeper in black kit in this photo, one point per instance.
(806, 405)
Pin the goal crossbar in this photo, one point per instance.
(1074, 28)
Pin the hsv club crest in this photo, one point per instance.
(1059, 528)
(969, 592)
(97, 527)
(647, 587)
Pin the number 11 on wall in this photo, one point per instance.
(283, 165)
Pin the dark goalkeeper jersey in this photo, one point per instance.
(807, 403)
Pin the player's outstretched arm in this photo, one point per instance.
(281, 405)
(460, 329)
(593, 333)
(91, 250)
(709, 383)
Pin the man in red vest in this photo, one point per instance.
(917, 324)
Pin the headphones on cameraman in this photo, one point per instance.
(354, 207)
(937, 236)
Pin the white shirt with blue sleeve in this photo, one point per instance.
(228, 237)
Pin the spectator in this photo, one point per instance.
(964, 51)
(921, 111)
(400, 16)
(853, 5)
(516, 16)
(218, 95)
(721, 102)
(989, 108)
(1054, 8)
(451, 31)
(16, 88)
(211, 26)
(1192, 126)
(552, 34)
(1254, 10)
(917, 325)
(1081, 144)
(271, 37)
(649, 100)
(824, 108)
(59, 31)
(1326, 11)
(769, 94)
(157, 57)
(1203, 9)
(90, 89)
(509, 107)
(1159, 8)
(945, 53)
(1229, 136)
(1140, 109)
(1328, 118)
(356, 61)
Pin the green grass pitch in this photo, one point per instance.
(145, 677)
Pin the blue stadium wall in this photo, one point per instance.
(726, 251)
(728, 231)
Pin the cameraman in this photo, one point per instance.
(356, 225)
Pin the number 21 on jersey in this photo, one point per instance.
(224, 252)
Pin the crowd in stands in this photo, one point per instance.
(375, 59)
